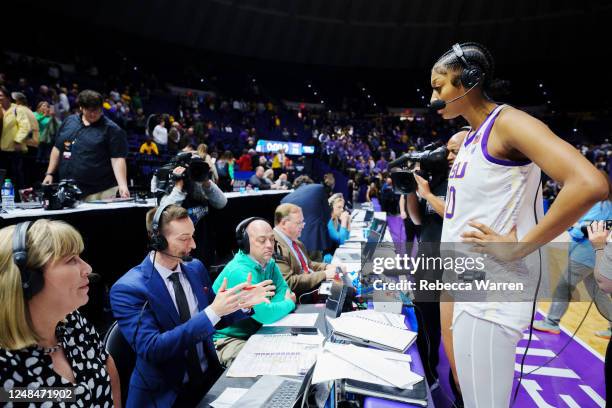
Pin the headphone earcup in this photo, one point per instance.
(471, 76)
(158, 242)
(32, 282)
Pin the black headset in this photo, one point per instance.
(32, 280)
(242, 237)
(158, 241)
(472, 74)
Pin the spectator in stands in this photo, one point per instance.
(258, 180)
(44, 340)
(160, 134)
(15, 130)
(203, 153)
(312, 198)
(176, 362)
(278, 162)
(175, 139)
(254, 258)
(225, 171)
(244, 161)
(34, 135)
(301, 273)
(339, 223)
(91, 149)
(148, 147)
(372, 192)
(48, 126)
(282, 183)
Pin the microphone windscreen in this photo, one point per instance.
(94, 277)
(437, 105)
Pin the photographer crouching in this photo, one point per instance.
(426, 173)
(187, 181)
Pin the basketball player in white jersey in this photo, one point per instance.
(494, 196)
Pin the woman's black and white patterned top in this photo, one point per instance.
(31, 368)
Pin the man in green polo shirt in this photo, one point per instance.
(255, 257)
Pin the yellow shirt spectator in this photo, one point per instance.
(149, 148)
(15, 128)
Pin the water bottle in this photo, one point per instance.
(8, 195)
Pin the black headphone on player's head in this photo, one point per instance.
(472, 75)
(32, 280)
(158, 241)
(242, 237)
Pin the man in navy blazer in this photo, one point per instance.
(166, 309)
(312, 199)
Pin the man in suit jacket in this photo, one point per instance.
(301, 273)
(167, 311)
(312, 199)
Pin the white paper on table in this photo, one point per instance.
(228, 397)
(296, 320)
(276, 355)
(351, 245)
(393, 371)
(381, 215)
(332, 364)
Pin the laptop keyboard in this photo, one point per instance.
(285, 395)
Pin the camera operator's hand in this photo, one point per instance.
(422, 186)
(178, 172)
(598, 235)
(48, 179)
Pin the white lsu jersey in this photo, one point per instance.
(497, 193)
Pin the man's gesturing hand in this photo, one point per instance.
(253, 295)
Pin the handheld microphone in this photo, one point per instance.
(441, 103)
(94, 277)
(184, 258)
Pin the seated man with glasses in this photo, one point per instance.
(302, 274)
(90, 149)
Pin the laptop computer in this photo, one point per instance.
(272, 391)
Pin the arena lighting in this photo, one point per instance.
(310, 86)
(575, 130)
(315, 94)
(541, 85)
(322, 101)
(363, 89)
(201, 79)
(135, 68)
(369, 96)
(548, 102)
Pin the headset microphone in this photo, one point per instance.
(184, 258)
(441, 104)
(94, 277)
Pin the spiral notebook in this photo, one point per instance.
(370, 333)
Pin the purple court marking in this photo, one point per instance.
(586, 389)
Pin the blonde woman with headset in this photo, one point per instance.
(44, 340)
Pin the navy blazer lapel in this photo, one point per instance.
(158, 293)
(197, 287)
